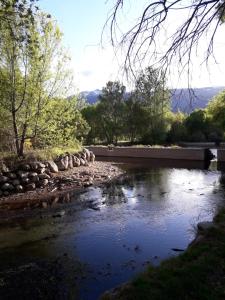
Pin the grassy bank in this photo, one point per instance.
(199, 273)
(38, 154)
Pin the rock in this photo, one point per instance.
(59, 214)
(41, 170)
(1, 193)
(19, 188)
(88, 155)
(4, 168)
(204, 226)
(40, 165)
(6, 193)
(15, 182)
(62, 163)
(44, 182)
(76, 161)
(25, 180)
(25, 167)
(82, 162)
(34, 166)
(70, 162)
(77, 155)
(43, 176)
(33, 174)
(3, 179)
(52, 166)
(92, 156)
(31, 187)
(7, 187)
(44, 204)
(22, 174)
(12, 175)
(34, 179)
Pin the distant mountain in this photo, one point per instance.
(183, 100)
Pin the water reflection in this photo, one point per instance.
(113, 231)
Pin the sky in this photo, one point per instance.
(94, 61)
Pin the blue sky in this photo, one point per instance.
(94, 64)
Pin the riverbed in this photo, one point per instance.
(97, 239)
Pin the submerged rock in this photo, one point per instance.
(203, 226)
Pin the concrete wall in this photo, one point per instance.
(203, 144)
(146, 152)
(221, 155)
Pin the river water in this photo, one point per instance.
(110, 233)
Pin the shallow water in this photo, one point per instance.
(110, 233)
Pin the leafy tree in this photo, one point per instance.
(178, 130)
(153, 96)
(216, 113)
(61, 123)
(197, 125)
(32, 71)
(110, 109)
(91, 115)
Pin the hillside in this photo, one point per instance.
(184, 100)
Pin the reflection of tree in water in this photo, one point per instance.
(113, 193)
(138, 182)
(148, 182)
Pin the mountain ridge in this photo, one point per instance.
(183, 99)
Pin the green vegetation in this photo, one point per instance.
(35, 81)
(144, 117)
(197, 274)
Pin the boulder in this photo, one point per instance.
(22, 174)
(19, 188)
(44, 182)
(204, 226)
(3, 179)
(32, 174)
(62, 163)
(7, 187)
(11, 175)
(70, 162)
(76, 161)
(16, 182)
(41, 170)
(92, 156)
(82, 162)
(25, 180)
(34, 179)
(4, 168)
(31, 187)
(52, 166)
(25, 167)
(87, 152)
(43, 176)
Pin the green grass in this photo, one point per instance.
(197, 274)
(11, 158)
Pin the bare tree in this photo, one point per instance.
(202, 20)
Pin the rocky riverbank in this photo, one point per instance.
(36, 194)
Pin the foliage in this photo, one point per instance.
(110, 111)
(152, 95)
(216, 112)
(33, 74)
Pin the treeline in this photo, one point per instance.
(145, 116)
(34, 81)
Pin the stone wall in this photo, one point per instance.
(28, 176)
